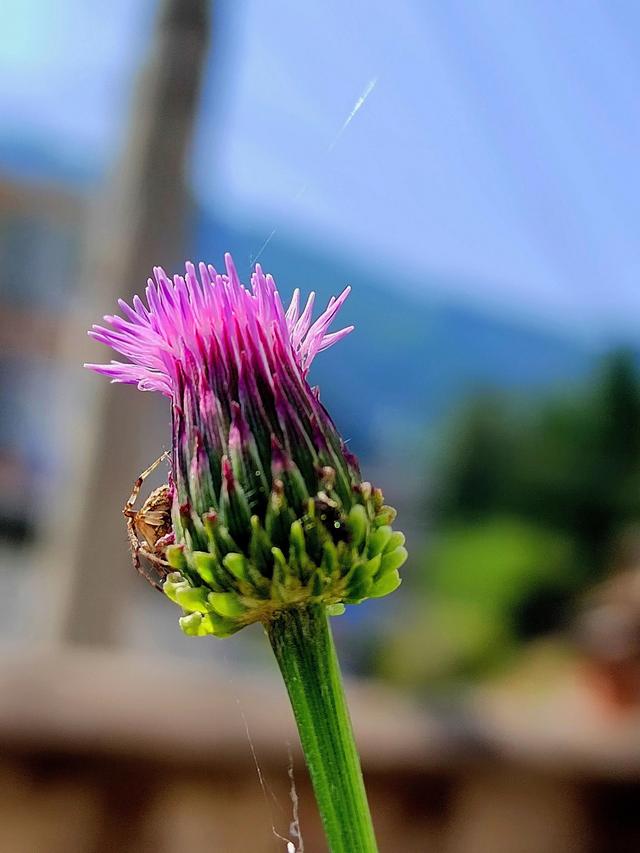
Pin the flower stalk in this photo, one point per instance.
(303, 645)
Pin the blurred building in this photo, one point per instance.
(41, 234)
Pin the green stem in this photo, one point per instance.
(303, 645)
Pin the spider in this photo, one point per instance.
(149, 528)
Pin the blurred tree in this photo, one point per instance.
(530, 504)
(615, 453)
(477, 465)
(482, 578)
(571, 464)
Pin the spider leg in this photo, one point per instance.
(128, 507)
(134, 544)
(153, 466)
(161, 566)
(154, 583)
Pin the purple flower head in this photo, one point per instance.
(267, 501)
(191, 319)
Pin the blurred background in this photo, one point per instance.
(471, 170)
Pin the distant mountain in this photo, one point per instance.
(411, 358)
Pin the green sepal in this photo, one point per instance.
(335, 609)
(315, 534)
(329, 564)
(317, 585)
(193, 599)
(372, 566)
(393, 560)
(226, 604)
(198, 538)
(201, 487)
(295, 488)
(280, 575)
(385, 515)
(358, 583)
(279, 518)
(194, 625)
(357, 524)
(298, 559)
(237, 565)
(260, 548)
(197, 625)
(396, 541)
(234, 508)
(207, 566)
(247, 467)
(386, 584)
(220, 540)
(173, 581)
(379, 540)
(176, 558)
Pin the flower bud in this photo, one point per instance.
(269, 508)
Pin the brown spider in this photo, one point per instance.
(149, 528)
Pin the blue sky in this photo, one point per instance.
(498, 149)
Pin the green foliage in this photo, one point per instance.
(496, 563)
(528, 505)
(443, 643)
(481, 445)
(480, 582)
(571, 464)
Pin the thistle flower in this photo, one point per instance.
(269, 509)
(271, 520)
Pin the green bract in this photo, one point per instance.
(327, 554)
